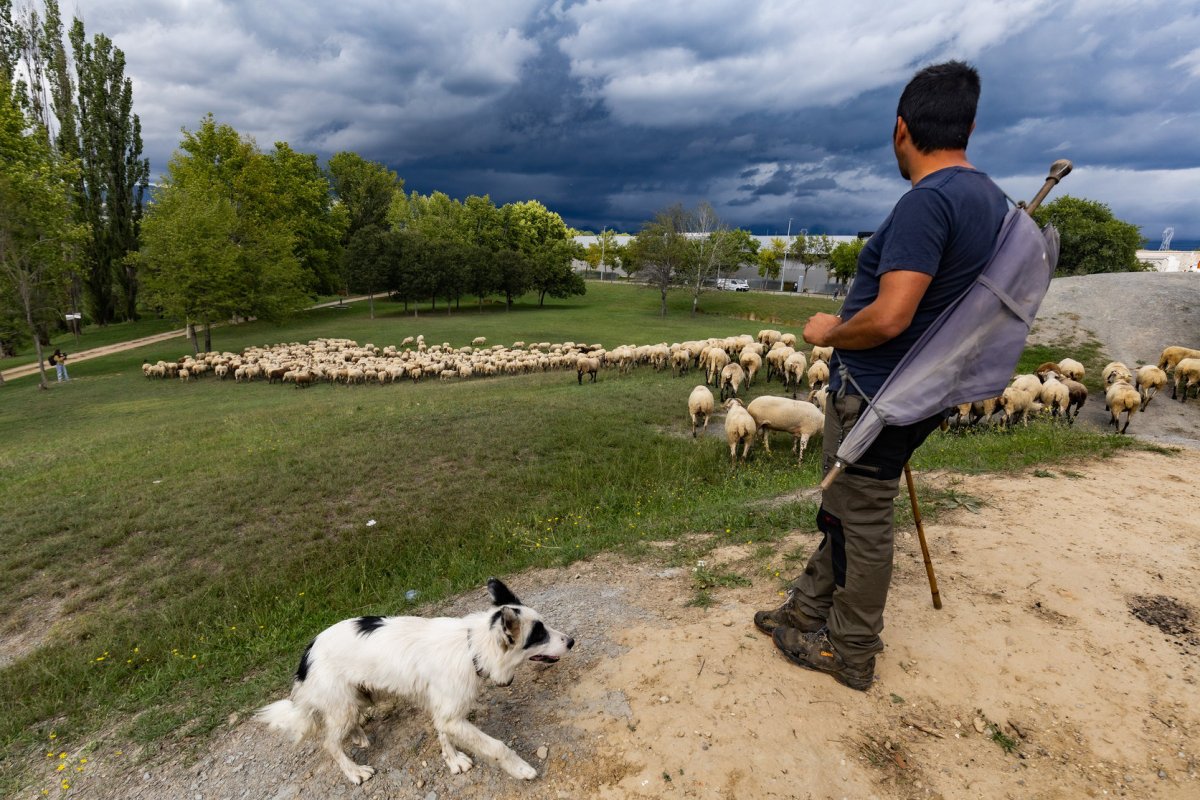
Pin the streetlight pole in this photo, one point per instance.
(783, 270)
(602, 231)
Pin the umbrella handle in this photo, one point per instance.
(831, 476)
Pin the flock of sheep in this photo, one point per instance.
(729, 364)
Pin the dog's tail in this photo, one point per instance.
(286, 716)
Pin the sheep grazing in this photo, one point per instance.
(1019, 403)
(1054, 394)
(184, 375)
(700, 407)
(1171, 356)
(680, 361)
(589, 366)
(1187, 375)
(819, 397)
(818, 374)
(717, 359)
(1070, 368)
(789, 339)
(1046, 366)
(797, 417)
(1149, 380)
(768, 337)
(751, 362)
(1114, 371)
(822, 354)
(732, 376)
(739, 428)
(972, 413)
(794, 368)
(1028, 383)
(1121, 398)
(776, 359)
(478, 340)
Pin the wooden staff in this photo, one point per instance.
(912, 496)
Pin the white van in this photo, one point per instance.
(733, 284)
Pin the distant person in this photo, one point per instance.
(58, 360)
(927, 253)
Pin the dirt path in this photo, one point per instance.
(97, 352)
(1065, 630)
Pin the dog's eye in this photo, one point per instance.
(537, 635)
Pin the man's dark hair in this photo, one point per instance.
(938, 106)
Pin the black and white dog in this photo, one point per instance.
(439, 664)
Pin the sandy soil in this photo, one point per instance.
(1071, 625)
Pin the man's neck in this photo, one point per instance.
(925, 164)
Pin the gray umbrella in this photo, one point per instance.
(970, 351)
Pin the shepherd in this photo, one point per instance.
(927, 253)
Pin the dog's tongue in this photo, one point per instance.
(543, 658)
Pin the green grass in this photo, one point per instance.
(188, 539)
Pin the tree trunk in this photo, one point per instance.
(542, 298)
(433, 303)
(664, 300)
(371, 303)
(695, 303)
(37, 344)
(207, 336)
(508, 302)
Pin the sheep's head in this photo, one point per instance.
(731, 402)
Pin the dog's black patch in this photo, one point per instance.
(501, 595)
(367, 625)
(365, 696)
(305, 662)
(537, 635)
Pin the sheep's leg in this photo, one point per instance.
(693, 426)
(746, 447)
(803, 444)
(1128, 416)
(766, 437)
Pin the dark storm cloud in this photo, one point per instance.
(609, 111)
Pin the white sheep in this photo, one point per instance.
(1054, 394)
(700, 407)
(1114, 371)
(1173, 355)
(822, 354)
(1019, 403)
(751, 362)
(1149, 380)
(1070, 368)
(776, 358)
(680, 361)
(1122, 398)
(739, 428)
(794, 368)
(588, 366)
(1187, 375)
(797, 417)
(1028, 383)
(818, 374)
(732, 376)
(717, 359)
(819, 397)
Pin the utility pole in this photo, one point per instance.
(783, 269)
(602, 231)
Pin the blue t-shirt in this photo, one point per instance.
(945, 226)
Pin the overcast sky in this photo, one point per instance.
(607, 110)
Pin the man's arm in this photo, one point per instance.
(889, 315)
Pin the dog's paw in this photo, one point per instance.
(359, 739)
(459, 762)
(359, 773)
(519, 769)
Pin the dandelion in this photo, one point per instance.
(62, 755)
(120, 752)
(66, 785)
(53, 735)
(60, 767)
(83, 761)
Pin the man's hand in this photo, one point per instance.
(816, 330)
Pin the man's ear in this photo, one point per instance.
(501, 596)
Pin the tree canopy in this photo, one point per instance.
(1092, 238)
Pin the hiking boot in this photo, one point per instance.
(815, 651)
(788, 616)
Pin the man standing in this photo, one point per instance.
(925, 255)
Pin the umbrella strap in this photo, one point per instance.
(847, 378)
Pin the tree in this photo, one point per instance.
(318, 225)
(365, 188)
(552, 274)
(770, 258)
(717, 248)
(843, 259)
(603, 253)
(368, 260)
(1092, 238)
(214, 243)
(661, 254)
(810, 251)
(38, 234)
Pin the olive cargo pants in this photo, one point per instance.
(846, 580)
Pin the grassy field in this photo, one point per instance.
(167, 549)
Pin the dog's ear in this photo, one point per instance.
(507, 621)
(501, 596)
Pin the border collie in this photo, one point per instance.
(439, 664)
